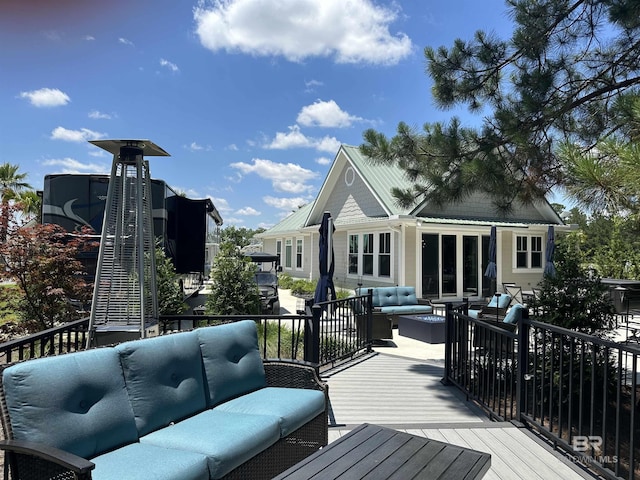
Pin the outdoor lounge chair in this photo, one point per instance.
(495, 309)
(515, 292)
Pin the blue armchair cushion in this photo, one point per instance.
(514, 314)
(293, 406)
(76, 402)
(164, 378)
(501, 302)
(141, 461)
(227, 439)
(232, 360)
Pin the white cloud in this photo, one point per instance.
(285, 177)
(70, 165)
(350, 31)
(124, 41)
(288, 204)
(294, 138)
(89, 38)
(233, 147)
(194, 147)
(95, 114)
(221, 204)
(82, 135)
(325, 114)
(167, 64)
(323, 161)
(249, 211)
(46, 97)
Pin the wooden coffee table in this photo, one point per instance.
(375, 452)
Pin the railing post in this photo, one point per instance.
(312, 336)
(448, 340)
(369, 320)
(523, 363)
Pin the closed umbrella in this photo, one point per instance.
(326, 261)
(550, 268)
(492, 270)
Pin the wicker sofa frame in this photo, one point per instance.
(26, 460)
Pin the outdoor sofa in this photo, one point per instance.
(191, 405)
(396, 301)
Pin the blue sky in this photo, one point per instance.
(251, 98)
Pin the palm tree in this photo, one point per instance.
(30, 204)
(11, 182)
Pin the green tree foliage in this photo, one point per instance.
(234, 290)
(170, 295)
(569, 72)
(42, 260)
(574, 297)
(11, 183)
(241, 237)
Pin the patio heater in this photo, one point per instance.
(125, 304)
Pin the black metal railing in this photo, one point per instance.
(68, 337)
(578, 390)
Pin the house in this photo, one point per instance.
(443, 252)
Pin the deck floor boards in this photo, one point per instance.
(407, 394)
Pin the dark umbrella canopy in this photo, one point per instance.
(325, 253)
(550, 268)
(492, 270)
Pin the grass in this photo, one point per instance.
(9, 298)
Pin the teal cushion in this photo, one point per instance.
(76, 402)
(164, 378)
(140, 461)
(473, 313)
(514, 315)
(406, 309)
(227, 439)
(232, 361)
(293, 406)
(385, 296)
(503, 302)
(407, 296)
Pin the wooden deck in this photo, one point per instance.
(406, 394)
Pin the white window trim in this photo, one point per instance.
(376, 256)
(295, 255)
(284, 255)
(515, 268)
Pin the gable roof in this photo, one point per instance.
(292, 223)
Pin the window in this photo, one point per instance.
(353, 254)
(384, 255)
(367, 254)
(528, 251)
(287, 253)
(279, 251)
(299, 254)
(370, 254)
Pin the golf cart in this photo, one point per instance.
(267, 280)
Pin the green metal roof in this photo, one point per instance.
(294, 222)
(380, 178)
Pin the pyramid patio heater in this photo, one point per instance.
(125, 305)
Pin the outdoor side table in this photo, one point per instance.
(373, 451)
(426, 328)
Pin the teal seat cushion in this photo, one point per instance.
(140, 461)
(514, 315)
(293, 406)
(232, 361)
(473, 313)
(384, 296)
(76, 402)
(406, 309)
(227, 439)
(501, 302)
(164, 379)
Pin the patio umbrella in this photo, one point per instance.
(550, 268)
(492, 270)
(325, 250)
